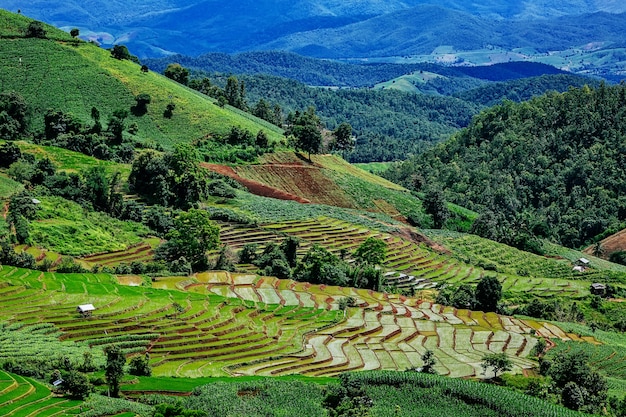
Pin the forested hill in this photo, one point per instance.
(390, 123)
(553, 166)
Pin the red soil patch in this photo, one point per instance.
(305, 180)
(611, 244)
(416, 237)
(254, 187)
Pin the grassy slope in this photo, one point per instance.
(91, 232)
(78, 76)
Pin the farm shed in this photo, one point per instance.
(85, 309)
(597, 288)
(583, 262)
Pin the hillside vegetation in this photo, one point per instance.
(78, 76)
(570, 190)
(132, 262)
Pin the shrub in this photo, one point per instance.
(35, 29)
(140, 366)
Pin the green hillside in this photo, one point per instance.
(77, 76)
(131, 278)
(571, 189)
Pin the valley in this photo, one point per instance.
(185, 236)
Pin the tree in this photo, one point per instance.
(169, 110)
(343, 140)
(368, 276)
(140, 365)
(142, 101)
(500, 362)
(97, 188)
(177, 72)
(572, 396)
(308, 138)
(289, 246)
(263, 110)
(319, 266)
(21, 209)
(74, 33)
(235, 93)
(95, 116)
(13, 115)
(573, 366)
(463, 297)
(120, 52)
(373, 252)
(117, 125)
(114, 368)
(247, 254)
(35, 29)
(77, 385)
(428, 358)
(226, 259)
(9, 154)
(435, 205)
(262, 141)
(307, 131)
(193, 235)
(488, 293)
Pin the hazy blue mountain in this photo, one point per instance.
(160, 27)
(420, 30)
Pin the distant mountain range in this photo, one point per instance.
(331, 28)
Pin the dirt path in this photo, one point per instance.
(254, 187)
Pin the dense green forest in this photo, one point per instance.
(391, 124)
(392, 121)
(550, 167)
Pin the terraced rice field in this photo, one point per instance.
(414, 265)
(24, 397)
(219, 323)
(384, 331)
(141, 252)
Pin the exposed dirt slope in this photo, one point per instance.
(611, 244)
(254, 187)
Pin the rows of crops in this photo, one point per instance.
(246, 324)
(412, 265)
(384, 332)
(503, 402)
(187, 334)
(142, 252)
